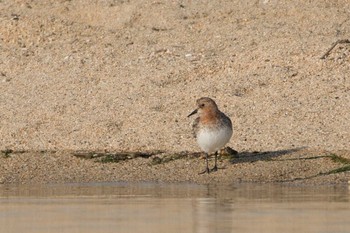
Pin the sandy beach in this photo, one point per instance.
(83, 82)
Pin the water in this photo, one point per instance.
(150, 207)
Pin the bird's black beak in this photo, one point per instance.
(192, 113)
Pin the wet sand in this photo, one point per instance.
(297, 166)
(117, 76)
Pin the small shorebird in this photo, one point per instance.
(212, 129)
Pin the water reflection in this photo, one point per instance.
(149, 207)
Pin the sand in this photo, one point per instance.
(123, 75)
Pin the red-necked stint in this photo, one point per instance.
(212, 129)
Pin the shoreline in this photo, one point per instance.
(298, 166)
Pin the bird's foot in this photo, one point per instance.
(214, 169)
(205, 171)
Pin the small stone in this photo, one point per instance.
(228, 152)
(156, 160)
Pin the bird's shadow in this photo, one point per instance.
(251, 157)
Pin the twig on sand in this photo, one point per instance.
(341, 41)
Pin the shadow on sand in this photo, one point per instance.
(251, 157)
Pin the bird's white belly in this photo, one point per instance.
(213, 140)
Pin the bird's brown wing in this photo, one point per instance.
(225, 120)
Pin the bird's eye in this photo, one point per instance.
(202, 105)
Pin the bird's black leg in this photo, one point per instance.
(215, 168)
(207, 163)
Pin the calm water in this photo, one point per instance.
(147, 207)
